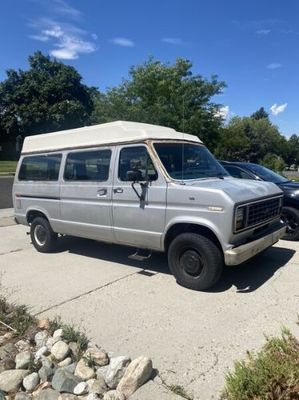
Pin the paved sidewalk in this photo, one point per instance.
(137, 308)
(7, 217)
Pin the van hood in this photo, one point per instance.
(239, 190)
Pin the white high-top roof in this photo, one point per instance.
(104, 134)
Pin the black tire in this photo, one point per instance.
(42, 236)
(290, 216)
(195, 261)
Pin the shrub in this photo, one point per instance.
(273, 373)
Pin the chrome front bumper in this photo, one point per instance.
(238, 255)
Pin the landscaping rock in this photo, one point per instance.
(22, 345)
(64, 363)
(2, 396)
(41, 339)
(46, 362)
(45, 373)
(68, 396)
(89, 383)
(58, 333)
(71, 368)
(11, 379)
(7, 364)
(64, 381)
(7, 351)
(41, 352)
(31, 381)
(114, 395)
(51, 341)
(92, 396)
(60, 350)
(137, 373)
(75, 348)
(81, 388)
(100, 357)
(48, 394)
(23, 359)
(99, 386)
(21, 396)
(44, 324)
(102, 371)
(116, 370)
(83, 371)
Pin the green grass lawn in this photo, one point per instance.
(7, 167)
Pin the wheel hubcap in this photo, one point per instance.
(291, 223)
(191, 262)
(40, 235)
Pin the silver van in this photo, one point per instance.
(149, 187)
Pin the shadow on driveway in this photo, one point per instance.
(246, 278)
(254, 273)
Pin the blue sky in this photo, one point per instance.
(251, 45)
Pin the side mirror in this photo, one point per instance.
(134, 176)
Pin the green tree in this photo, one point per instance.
(293, 150)
(260, 114)
(164, 94)
(274, 162)
(49, 96)
(249, 139)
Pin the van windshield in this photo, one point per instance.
(188, 161)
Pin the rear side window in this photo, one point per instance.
(88, 166)
(40, 168)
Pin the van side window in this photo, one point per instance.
(138, 160)
(40, 168)
(88, 166)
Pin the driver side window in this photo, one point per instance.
(136, 159)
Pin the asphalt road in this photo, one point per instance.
(5, 192)
(134, 308)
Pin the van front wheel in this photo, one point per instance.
(195, 261)
(42, 235)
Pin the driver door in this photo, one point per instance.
(136, 221)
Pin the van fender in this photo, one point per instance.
(200, 222)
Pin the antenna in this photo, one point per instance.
(183, 144)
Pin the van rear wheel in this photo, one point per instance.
(42, 235)
(195, 261)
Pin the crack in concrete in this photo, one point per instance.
(84, 294)
(11, 251)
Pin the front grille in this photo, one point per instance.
(258, 212)
(263, 211)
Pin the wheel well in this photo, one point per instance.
(33, 214)
(190, 228)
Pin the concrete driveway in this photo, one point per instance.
(137, 308)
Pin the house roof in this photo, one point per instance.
(104, 134)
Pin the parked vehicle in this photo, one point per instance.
(290, 210)
(148, 187)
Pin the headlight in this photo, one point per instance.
(240, 218)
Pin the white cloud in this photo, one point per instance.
(172, 40)
(274, 66)
(40, 38)
(277, 109)
(63, 8)
(263, 31)
(124, 42)
(67, 40)
(223, 112)
(94, 36)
